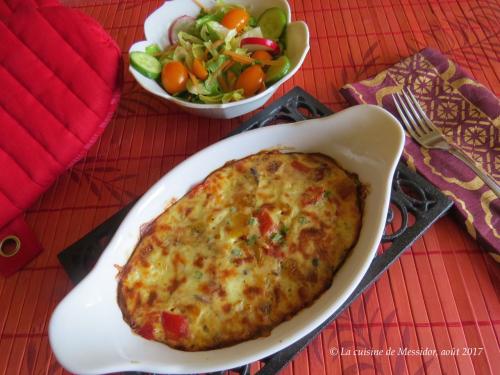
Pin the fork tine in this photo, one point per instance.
(406, 113)
(427, 121)
(406, 124)
(418, 120)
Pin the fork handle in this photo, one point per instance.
(472, 164)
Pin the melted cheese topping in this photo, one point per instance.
(248, 248)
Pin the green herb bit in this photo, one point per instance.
(198, 275)
(315, 262)
(284, 230)
(252, 221)
(303, 220)
(277, 238)
(252, 240)
(236, 252)
(327, 194)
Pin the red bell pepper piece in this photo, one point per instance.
(146, 331)
(175, 326)
(312, 195)
(274, 251)
(266, 224)
(300, 166)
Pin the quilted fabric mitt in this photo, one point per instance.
(7, 7)
(60, 80)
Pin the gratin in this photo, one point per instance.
(248, 248)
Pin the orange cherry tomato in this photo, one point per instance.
(250, 80)
(262, 55)
(236, 18)
(174, 76)
(199, 69)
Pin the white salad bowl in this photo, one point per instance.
(87, 331)
(156, 30)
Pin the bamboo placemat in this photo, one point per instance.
(442, 295)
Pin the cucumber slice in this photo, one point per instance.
(278, 71)
(145, 64)
(272, 23)
(152, 49)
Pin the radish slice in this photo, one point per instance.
(255, 44)
(182, 23)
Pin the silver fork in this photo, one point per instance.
(421, 129)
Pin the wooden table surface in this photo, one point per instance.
(442, 294)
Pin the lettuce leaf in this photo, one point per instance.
(209, 46)
(198, 51)
(212, 85)
(197, 89)
(215, 63)
(183, 54)
(185, 38)
(222, 98)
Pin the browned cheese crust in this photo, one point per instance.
(257, 241)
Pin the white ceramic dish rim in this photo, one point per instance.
(347, 130)
(141, 46)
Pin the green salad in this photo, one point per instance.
(222, 55)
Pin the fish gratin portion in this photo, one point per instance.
(257, 241)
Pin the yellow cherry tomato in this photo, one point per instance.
(262, 55)
(199, 69)
(174, 76)
(250, 80)
(236, 18)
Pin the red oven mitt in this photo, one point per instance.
(7, 7)
(60, 80)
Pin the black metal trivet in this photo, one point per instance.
(411, 195)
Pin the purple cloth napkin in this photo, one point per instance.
(468, 114)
